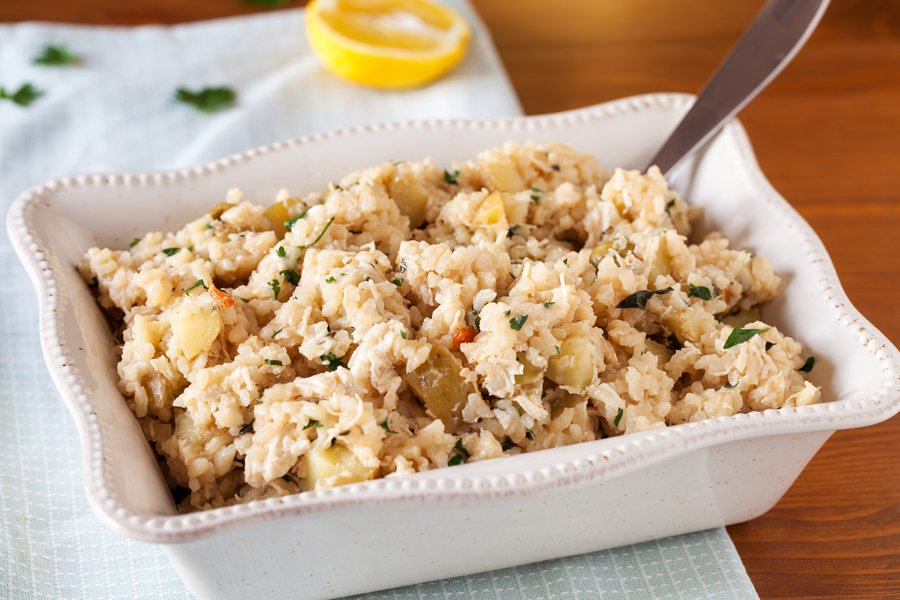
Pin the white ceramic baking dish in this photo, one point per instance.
(479, 516)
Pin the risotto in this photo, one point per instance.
(411, 318)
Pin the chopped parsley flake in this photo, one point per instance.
(312, 423)
(197, 283)
(403, 334)
(277, 332)
(24, 96)
(208, 227)
(534, 196)
(386, 425)
(276, 363)
(512, 230)
(171, 251)
(739, 336)
(557, 349)
(398, 281)
(669, 206)
(808, 365)
(730, 386)
(330, 280)
(327, 225)
(276, 288)
(208, 99)
(699, 291)
(56, 56)
(244, 300)
(639, 299)
(618, 417)
(289, 224)
(462, 449)
(518, 410)
(281, 252)
(451, 179)
(549, 304)
(134, 242)
(332, 362)
(457, 459)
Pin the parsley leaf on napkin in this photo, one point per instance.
(56, 56)
(207, 99)
(24, 96)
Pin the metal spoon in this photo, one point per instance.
(765, 48)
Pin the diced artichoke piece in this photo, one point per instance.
(563, 402)
(412, 200)
(659, 351)
(661, 260)
(742, 318)
(187, 431)
(439, 385)
(490, 211)
(504, 176)
(216, 211)
(144, 331)
(604, 248)
(277, 214)
(197, 331)
(334, 466)
(573, 366)
(529, 374)
(690, 324)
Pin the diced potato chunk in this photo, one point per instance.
(187, 431)
(690, 324)
(742, 318)
(504, 176)
(198, 331)
(574, 365)
(661, 260)
(412, 200)
(529, 374)
(439, 385)
(490, 211)
(334, 466)
(145, 331)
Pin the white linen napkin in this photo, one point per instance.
(113, 112)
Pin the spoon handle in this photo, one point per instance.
(765, 48)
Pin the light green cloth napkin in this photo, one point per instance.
(114, 112)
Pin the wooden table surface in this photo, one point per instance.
(827, 134)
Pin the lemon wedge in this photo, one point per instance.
(387, 43)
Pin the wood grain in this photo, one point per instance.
(827, 134)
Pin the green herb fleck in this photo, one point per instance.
(24, 96)
(673, 342)
(518, 410)
(94, 282)
(289, 224)
(290, 276)
(699, 291)
(197, 283)
(398, 281)
(457, 459)
(618, 417)
(330, 280)
(247, 428)
(134, 242)
(506, 445)
(534, 197)
(451, 179)
(459, 446)
(530, 433)
(56, 56)
(516, 322)
(208, 99)
(327, 225)
(332, 362)
(386, 425)
(557, 349)
(549, 304)
(281, 252)
(208, 227)
(669, 206)
(277, 332)
(639, 299)
(244, 300)
(403, 334)
(171, 251)
(512, 230)
(312, 423)
(808, 365)
(276, 288)
(276, 363)
(738, 336)
(729, 386)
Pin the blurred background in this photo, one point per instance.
(827, 135)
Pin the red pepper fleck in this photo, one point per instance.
(463, 335)
(727, 295)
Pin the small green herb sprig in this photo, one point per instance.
(24, 96)
(56, 56)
